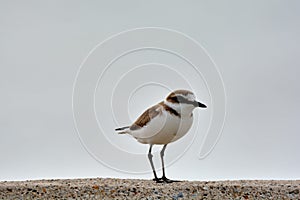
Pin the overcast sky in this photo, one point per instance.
(252, 62)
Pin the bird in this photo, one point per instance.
(164, 123)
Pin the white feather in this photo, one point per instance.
(163, 129)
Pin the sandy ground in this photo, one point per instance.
(99, 188)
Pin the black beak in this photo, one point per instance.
(201, 105)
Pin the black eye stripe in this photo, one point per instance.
(181, 99)
(175, 99)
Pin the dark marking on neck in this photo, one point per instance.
(169, 109)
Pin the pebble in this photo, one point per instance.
(100, 188)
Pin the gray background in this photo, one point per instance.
(255, 45)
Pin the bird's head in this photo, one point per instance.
(183, 101)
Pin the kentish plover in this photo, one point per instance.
(164, 123)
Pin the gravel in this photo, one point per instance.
(100, 188)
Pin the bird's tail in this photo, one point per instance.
(122, 130)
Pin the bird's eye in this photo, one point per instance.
(181, 99)
(175, 99)
(184, 100)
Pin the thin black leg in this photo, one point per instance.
(164, 178)
(152, 165)
(162, 153)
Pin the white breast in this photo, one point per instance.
(163, 129)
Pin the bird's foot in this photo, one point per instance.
(158, 180)
(164, 180)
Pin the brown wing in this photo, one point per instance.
(146, 117)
